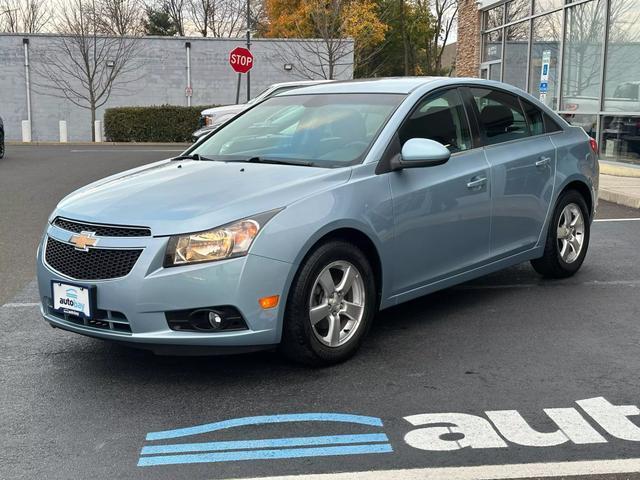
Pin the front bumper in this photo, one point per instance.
(141, 298)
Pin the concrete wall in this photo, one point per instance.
(160, 78)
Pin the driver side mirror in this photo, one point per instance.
(420, 152)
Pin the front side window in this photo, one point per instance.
(501, 117)
(442, 118)
(325, 130)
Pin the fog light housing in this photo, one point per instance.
(208, 319)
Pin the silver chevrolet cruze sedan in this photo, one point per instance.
(293, 224)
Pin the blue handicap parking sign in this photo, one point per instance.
(544, 87)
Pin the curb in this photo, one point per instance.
(607, 168)
(619, 198)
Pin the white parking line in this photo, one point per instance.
(484, 472)
(599, 283)
(21, 305)
(617, 220)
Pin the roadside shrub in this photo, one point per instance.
(164, 123)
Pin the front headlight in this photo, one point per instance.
(228, 241)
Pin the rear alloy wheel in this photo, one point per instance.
(567, 238)
(330, 307)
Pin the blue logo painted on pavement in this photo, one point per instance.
(264, 449)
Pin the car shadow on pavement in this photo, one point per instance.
(408, 327)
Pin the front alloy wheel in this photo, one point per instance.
(331, 304)
(337, 303)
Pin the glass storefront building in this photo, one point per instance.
(581, 58)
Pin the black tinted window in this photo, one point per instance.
(550, 124)
(534, 117)
(501, 117)
(440, 117)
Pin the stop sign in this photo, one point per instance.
(241, 60)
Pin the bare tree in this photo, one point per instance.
(218, 18)
(81, 65)
(445, 15)
(120, 17)
(176, 10)
(328, 54)
(24, 16)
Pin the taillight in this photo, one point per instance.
(594, 145)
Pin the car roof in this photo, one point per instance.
(299, 82)
(401, 85)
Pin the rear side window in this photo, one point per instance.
(501, 117)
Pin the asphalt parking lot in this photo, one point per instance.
(72, 407)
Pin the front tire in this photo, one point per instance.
(331, 305)
(1, 144)
(567, 238)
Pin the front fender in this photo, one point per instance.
(362, 204)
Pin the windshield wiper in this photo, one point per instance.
(279, 161)
(193, 156)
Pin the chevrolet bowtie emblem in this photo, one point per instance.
(84, 240)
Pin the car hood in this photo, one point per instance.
(217, 111)
(174, 197)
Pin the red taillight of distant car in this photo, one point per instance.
(594, 145)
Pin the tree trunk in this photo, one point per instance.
(93, 121)
(405, 43)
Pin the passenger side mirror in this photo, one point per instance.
(420, 152)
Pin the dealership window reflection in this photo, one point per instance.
(620, 138)
(515, 55)
(622, 79)
(545, 51)
(581, 78)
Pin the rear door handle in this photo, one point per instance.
(476, 182)
(543, 162)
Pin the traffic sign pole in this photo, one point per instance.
(241, 60)
(248, 48)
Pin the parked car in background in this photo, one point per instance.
(1, 138)
(624, 98)
(293, 233)
(212, 118)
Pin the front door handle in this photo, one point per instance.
(543, 162)
(476, 182)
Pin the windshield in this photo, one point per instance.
(326, 130)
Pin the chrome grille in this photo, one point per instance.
(94, 264)
(101, 230)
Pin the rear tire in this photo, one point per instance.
(1, 144)
(331, 305)
(567, 238)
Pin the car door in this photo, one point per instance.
(523, 160)
(442, 213)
